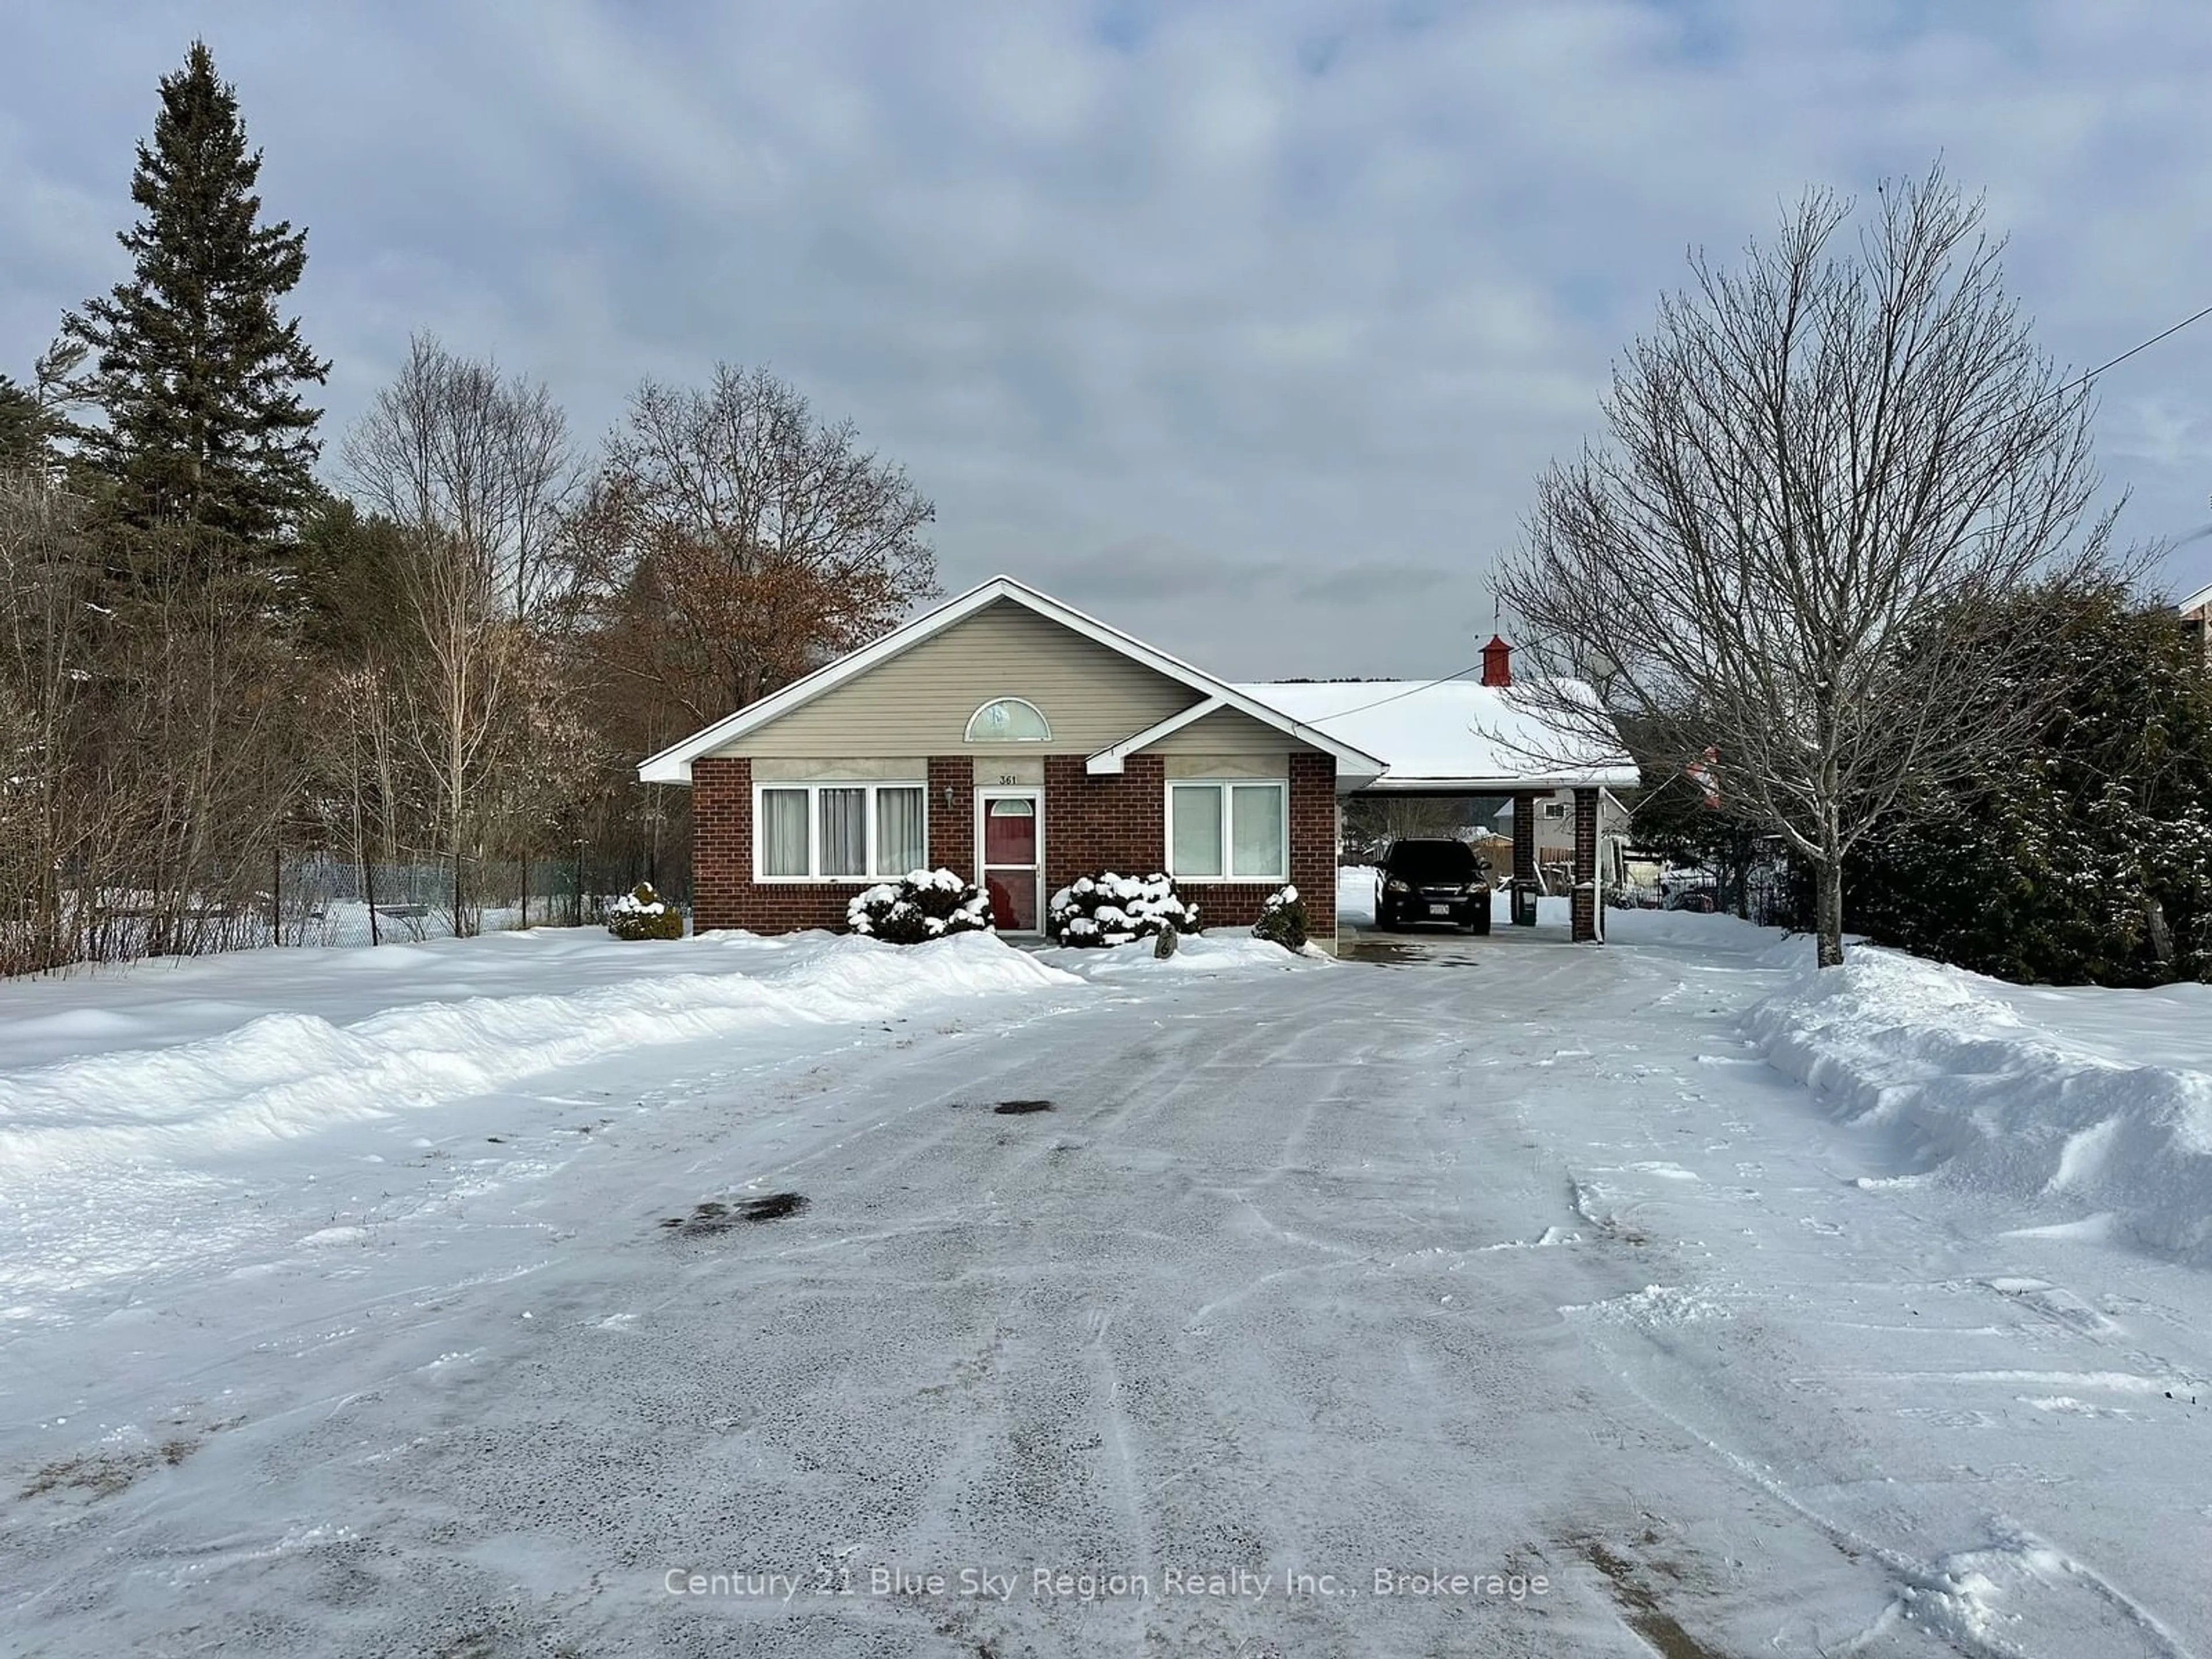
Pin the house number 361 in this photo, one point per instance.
(1008, 777)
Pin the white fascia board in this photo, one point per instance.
(1109, 760)
(673, 763)
(1602, 777)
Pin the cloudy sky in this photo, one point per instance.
(1246, 323)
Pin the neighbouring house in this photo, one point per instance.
(1021, 744)
(2197, 615)
(1555, 834)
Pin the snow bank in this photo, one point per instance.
(2006, 1102)
(1355, 894)
(1228, 953)
(289, 1074)
(1708, 932)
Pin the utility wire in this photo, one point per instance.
(2075, 384)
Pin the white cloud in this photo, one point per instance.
(1274, 309)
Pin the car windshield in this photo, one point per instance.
(1433, 860)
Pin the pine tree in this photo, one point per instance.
(2088, 857)
(197, 375)
(21, 425)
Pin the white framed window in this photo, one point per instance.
(1009, 720)
(1229, 830)
(856, 832)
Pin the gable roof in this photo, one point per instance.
(2200, 597)
(673, 763)
(1456, 736)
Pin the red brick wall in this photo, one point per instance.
(1583, 905)
(724, 893)
(952, 815)
(1115, 823)
(1313, 858)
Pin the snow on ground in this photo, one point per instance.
(1524, 1280)
(1356, 894)
(2099, 1097)
(364, 1037)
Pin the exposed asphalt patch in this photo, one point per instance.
(1639, 1608)
(1015, 1107)
(713, 1217)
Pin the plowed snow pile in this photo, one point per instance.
(2102, 1098)
(290, 1073)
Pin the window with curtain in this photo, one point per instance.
(1194, 830)
(840, 831)
(901, 831)
(844, 832)
(1258, 837)
(1233, 830)
(783, 832)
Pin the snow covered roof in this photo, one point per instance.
(1458, 735)
(1354, 766)
(2202, 596)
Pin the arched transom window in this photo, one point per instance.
(1008, 719)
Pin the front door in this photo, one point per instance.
(1011, 834)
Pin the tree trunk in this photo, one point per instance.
(1830, 872)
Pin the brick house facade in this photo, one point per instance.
(1090, 824)
(1006, 701)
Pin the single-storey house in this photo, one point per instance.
(1019, 743)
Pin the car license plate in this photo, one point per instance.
(1440, 909)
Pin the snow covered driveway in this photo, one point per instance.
(1584, 1328)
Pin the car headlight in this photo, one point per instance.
(1395, 885)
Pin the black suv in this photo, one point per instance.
(1437, 881)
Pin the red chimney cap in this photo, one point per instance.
(1496, 662)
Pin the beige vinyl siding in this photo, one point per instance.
(919, 701)
(1226, 735)
(842, 771)
(1008, 770)
(1277, 765)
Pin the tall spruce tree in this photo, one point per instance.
(21, 426)
(197, 375)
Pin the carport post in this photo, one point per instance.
(1582, 906)
(1525, 885)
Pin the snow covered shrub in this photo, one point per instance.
(927, 904)
(1283, 919)
(1111, 909)
(643, 914)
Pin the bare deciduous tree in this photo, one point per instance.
(47, 819)
(485, 461)
(480, 468)
(1827, 467)
(732, 542)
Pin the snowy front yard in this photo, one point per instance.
(344, 1311)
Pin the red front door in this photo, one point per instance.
(1012, 863)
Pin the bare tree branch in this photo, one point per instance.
(1827, 466)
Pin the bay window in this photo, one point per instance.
(839, 831)
(1229, 831)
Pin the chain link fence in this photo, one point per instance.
(1770, 895)
(319, 899)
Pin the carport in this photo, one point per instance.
(1452, 737)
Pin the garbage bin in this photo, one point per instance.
(1524, 904)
